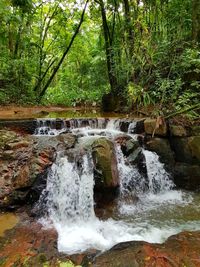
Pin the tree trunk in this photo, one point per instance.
(128, 27)
(196, 20)
(109, 51)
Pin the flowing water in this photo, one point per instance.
(148, 208)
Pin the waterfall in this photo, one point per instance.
(69, 194)
(70, 190)
(159, 179)
(131, 181)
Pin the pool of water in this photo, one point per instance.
(7, 221)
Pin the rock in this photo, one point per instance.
(133, 157)
(121, 139)
(132, 126)
(133, 152)
(61, 142)
(124, 125)
(187, 176)
(194, 145)
(187, 149)
(183, 131)
(195, 130)
(105, 162)
(27, 126)
(68, 139)
(5, 137)
(16, 145)
(162, 147)
(179, 250)
(156, 126)
(22, 162)
(129, 146)
(139, 127)
(31, 244)
(177, 130)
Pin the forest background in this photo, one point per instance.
(118, 53)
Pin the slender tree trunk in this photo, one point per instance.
(196, 20)
(39, 82)
(109, 50)
(64, 54)
(129, 27)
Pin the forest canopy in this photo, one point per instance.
(132, 52)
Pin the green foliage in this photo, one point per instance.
(144, 51)
(138, 96)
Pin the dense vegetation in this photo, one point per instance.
(132, 52)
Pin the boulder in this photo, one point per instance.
(178, 130)
(183, 131)
(105, 163)
(179, 250)
(132, 150)
(194, 145)
(155, 126)
(22, 162)
(128, 125)
(187, 176)
(187, 149)
(162, 147)
(129, 146)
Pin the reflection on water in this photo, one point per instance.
(7, 221)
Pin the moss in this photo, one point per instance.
(67, 264)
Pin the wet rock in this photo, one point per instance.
(61, 142)
(132, 150)
(187, 176)
(129, 146)
(162, 147)
(105, 162)
(68, 139)
(121, 139)
(30, 244)
(136, 126)
(25, 126)
(124, 125)
(179, 250)
(155, 126)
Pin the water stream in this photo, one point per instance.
(147, 209)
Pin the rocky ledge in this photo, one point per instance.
(24, 161)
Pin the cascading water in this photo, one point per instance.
(146, 205)
(70, 190)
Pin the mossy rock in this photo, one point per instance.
(105, 162)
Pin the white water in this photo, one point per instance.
(146, 208)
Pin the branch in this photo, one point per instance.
(197, 106)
